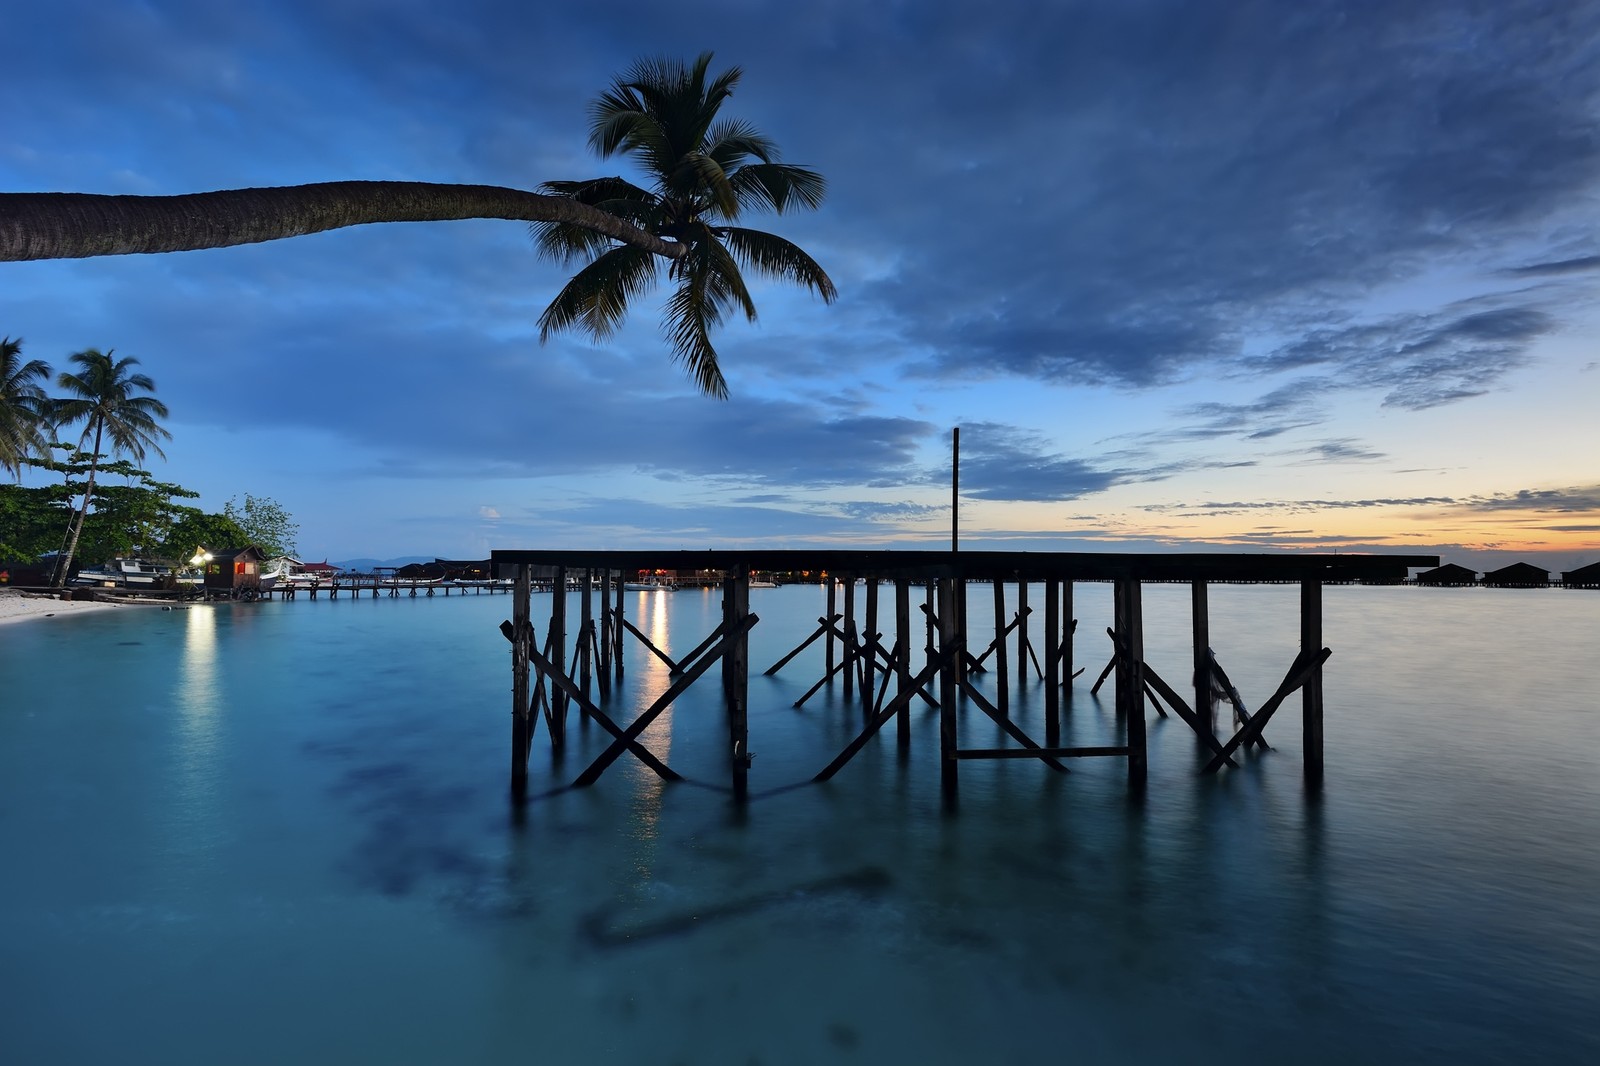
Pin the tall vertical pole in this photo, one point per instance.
(558, 659)
(1204, 705)
(949, 652)
(1311, 692)
(520, 734)
(955, 490)
(1052, 664)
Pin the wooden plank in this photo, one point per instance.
(1011, 728)
(1042, 753)
(823, 625)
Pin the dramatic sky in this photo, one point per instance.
(1186, 275)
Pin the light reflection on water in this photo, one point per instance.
(290, 819)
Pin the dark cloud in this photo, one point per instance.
(1558, 501)
(1001, 463)
(1577, 265)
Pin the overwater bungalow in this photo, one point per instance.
(1450, 575)
(1585, 577)
(1517, 576)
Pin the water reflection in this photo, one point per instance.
(198, 703)
(644, 824)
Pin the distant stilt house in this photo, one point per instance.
(1517, 576)
(323, 570)
(233, 571)
(1448, 576)
(1585, 577)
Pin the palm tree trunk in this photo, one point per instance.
(62, 225)
(64, 564)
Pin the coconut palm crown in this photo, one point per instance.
(105, 395)
(24, 409)
(705, 172)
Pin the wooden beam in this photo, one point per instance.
(1303, 667)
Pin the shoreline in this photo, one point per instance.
(17, 607)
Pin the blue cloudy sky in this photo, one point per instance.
(1187, 275)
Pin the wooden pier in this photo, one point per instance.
(931, 659)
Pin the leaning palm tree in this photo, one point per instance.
(69, 225)
(704, 172)
(24, 408)
(104, 396)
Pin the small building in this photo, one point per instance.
(1585, 577)
(1517, 576)
(232, 571)
(1449, 575)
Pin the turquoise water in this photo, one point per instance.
(280, 833)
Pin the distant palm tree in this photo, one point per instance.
(704, 172)
(24, 407)
(103, 395)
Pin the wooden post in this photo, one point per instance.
(1023, 645)
(585, 663)
(558, 658)
(1052, 664)
(603, 668)
(1311, 694)
(520, 733)
(850, 637)
(949, 685)
(616, 629)
(870, 672)
(736, 675)
(833, 601)
(930, 645)
(902, 629)
(1204, 705)
(1002, 670)
(1130, 677)
(1068, 630)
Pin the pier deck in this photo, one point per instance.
(931, 660)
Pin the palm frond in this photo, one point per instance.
(777, 186)
(687, 321)
(698, 175)
(771, 255)
(566, 243)
(730, 141)
(596, 299)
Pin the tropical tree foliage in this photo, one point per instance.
(112, 402)
(703, 172)
(264, 523)
(24, 408)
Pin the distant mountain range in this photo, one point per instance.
(366, 566)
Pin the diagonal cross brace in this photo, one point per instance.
(1300, 672)
(1176, 702)
(902, 698)
(566, 684)
(663, 701)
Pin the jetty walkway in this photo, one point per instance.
(929, 659)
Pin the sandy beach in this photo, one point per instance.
(19, 607)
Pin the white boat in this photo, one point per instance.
(649, 585)
(126, 573)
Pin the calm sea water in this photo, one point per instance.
(280, 833)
